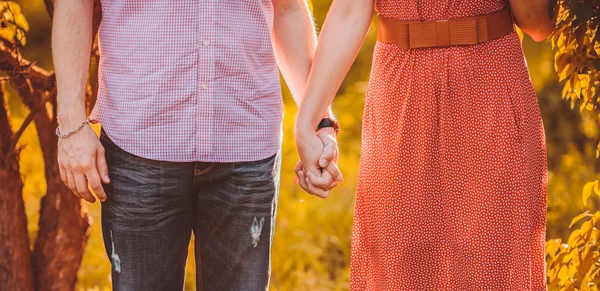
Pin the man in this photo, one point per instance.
(191, 110)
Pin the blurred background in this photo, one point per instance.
(312, 239)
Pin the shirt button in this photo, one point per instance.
(204, 86)
(206, 42)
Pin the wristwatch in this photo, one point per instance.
(328, 122)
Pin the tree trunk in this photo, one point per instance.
(63, 231)
(15, 256)
(63, 226)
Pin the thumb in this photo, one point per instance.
(101, 166)
(329, 152)
(315, 170)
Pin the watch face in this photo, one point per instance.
(328, 122)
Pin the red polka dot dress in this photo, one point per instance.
(452, 184)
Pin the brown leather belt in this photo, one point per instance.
(442, 33)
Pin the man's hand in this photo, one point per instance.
(81, 161)
(317, 172)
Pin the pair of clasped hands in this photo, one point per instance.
(317, 171)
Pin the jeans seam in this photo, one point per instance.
(202, 172)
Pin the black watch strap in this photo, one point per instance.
(328, 122)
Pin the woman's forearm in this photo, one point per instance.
(343, 33)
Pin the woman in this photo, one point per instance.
(451, 192)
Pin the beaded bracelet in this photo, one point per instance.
(74, 131)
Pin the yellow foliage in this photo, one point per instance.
(577, 57)
(575, 265)
(14, 25)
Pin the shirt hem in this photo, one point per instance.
(268, 152)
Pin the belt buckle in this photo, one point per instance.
(443, 33)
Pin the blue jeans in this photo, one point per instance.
(153, 207)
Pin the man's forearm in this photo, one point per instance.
(71, 43)
(295, 41)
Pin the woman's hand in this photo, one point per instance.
(317, 170)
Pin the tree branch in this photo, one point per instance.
(17, 135)
(10, 61)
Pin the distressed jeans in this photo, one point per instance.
(153, 207)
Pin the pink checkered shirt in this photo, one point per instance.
(190, 80)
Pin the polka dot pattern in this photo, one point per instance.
(452, 183)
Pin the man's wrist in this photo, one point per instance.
(82, 125)
(68, 123)
(327, 131)
(329, 123)
(327, 135)
(71, 118)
